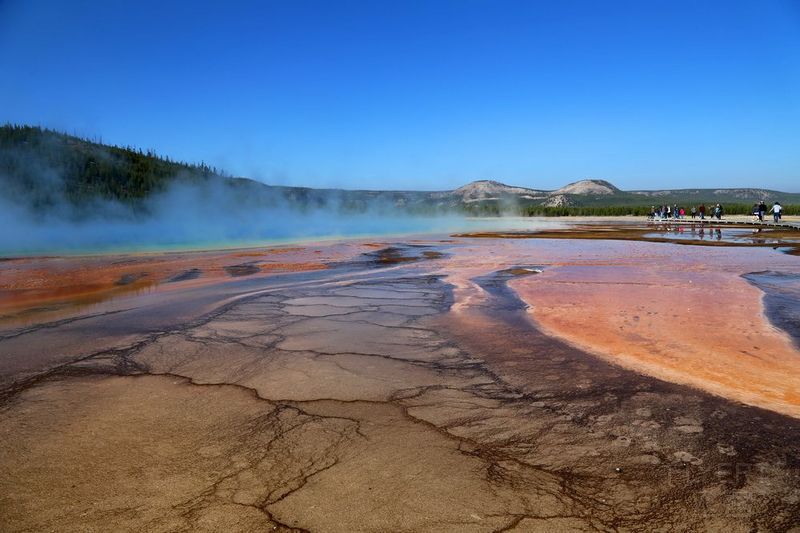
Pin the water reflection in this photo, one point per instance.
(782, 301)
(705, 233)
(21, 313)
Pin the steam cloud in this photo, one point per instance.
(188, 215)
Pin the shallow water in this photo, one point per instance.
(781, 299)
(710, 233)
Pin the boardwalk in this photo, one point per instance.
(736, 220)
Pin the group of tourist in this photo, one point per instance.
(665, 212)
(760, 211)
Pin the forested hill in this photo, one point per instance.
(42, 169)
(41, 166)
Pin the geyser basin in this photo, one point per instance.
(402, 384)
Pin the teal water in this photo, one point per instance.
(125, 237)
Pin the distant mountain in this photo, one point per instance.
(483, 190)
(589, 187)
(44, 168)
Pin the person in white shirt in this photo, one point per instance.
(776, 212)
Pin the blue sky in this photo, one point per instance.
(422, 95)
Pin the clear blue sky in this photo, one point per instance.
(429, 95)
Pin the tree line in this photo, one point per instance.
(41, 163)
(495, 209)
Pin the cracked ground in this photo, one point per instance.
(357, 399)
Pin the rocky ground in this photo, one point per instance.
(383, 393)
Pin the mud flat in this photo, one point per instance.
(424, 387)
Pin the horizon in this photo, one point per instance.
(225, 174)
(359, 96)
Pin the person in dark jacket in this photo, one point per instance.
(756, 213)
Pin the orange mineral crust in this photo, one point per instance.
(684, 316)
(45, 288)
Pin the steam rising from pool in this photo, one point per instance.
(207, 216)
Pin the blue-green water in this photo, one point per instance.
(60, 238)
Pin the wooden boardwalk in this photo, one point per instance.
(743, 221)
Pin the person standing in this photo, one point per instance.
(693, 211)
(762, 210)
(776, 212)
(757, 213)
(702, 211)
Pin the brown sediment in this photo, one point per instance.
(245, 269)
(393, 255)
(186, 275)
(399, 254)
(363, 399)
(127, 279)
(518, 271)
(432, 254)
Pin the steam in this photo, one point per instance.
(42, 213)
(208, 214)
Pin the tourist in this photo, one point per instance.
(718, 210)
(756, 212)
(776, 212)
(762, 210)
(693, 211)
(675, 211)
(682, 213)
(702, 211)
